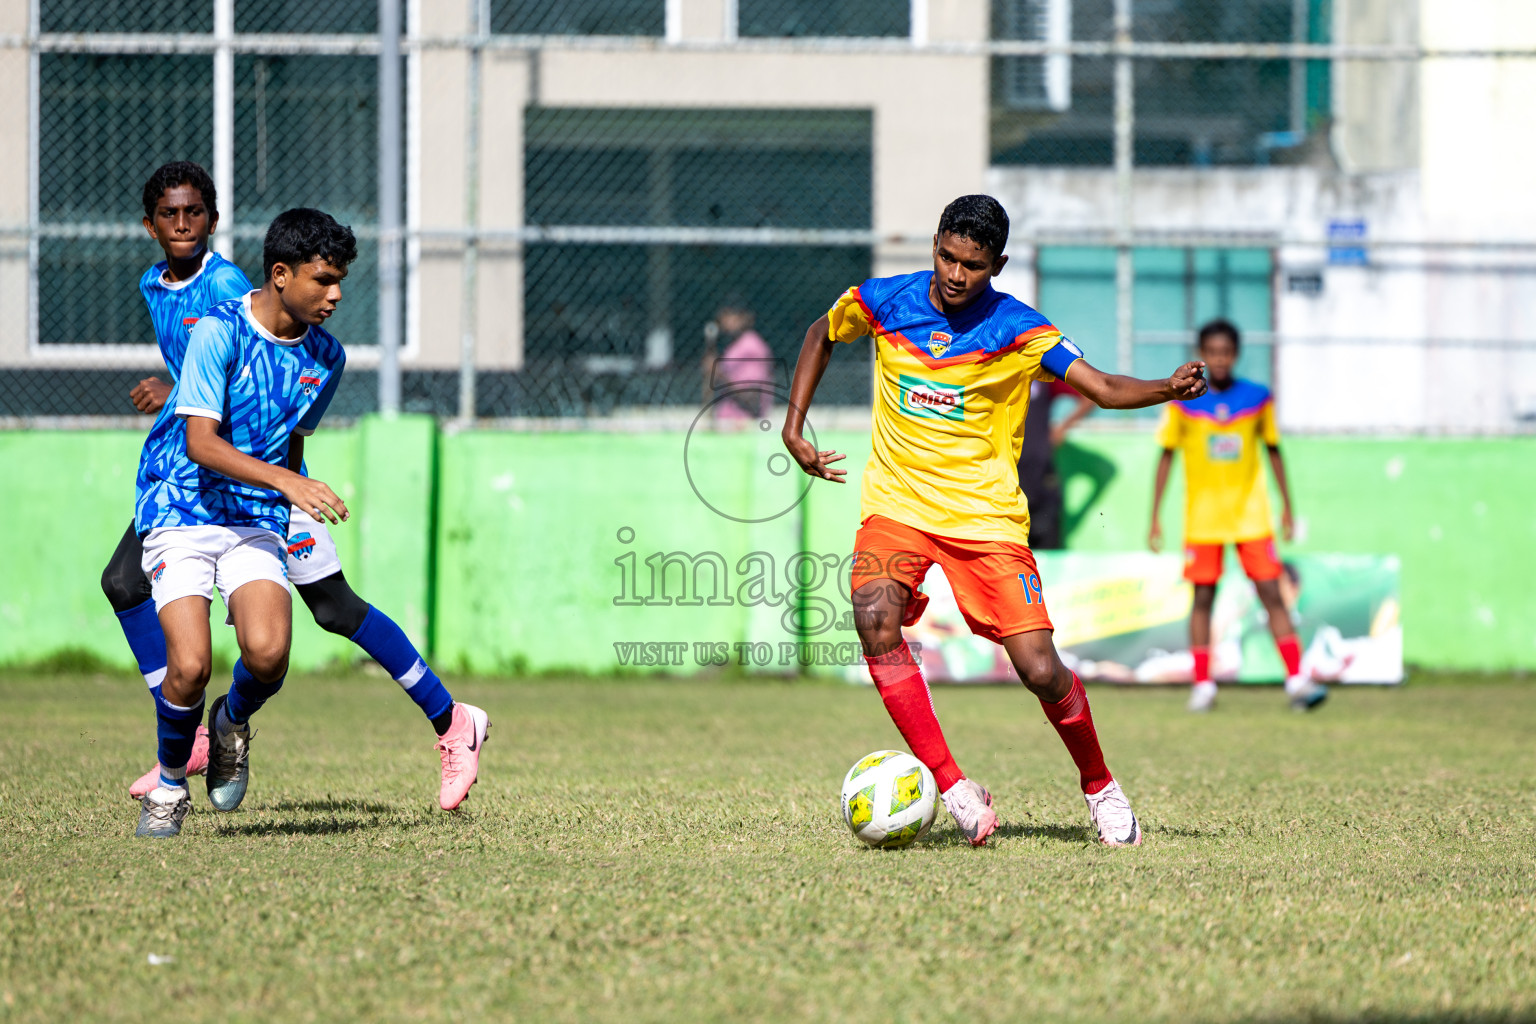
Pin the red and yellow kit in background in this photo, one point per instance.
(1221, 435)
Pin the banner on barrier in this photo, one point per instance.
(1125, 618)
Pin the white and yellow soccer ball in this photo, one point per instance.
(889, 799)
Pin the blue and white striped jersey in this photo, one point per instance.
(175, 306)
(260, 389)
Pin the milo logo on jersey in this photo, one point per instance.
(309, 381)
(929, 399)
(1225, 447)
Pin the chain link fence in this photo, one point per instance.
(574, 259)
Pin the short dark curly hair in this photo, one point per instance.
(180, 172)
(982, 219)
(1221, 325)
(303, 234)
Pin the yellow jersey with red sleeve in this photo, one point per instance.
(951, 395)
(1221, 434)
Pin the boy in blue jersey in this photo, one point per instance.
(216, 480)
(181, 212)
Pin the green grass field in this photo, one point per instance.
(664, 851)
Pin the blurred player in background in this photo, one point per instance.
(955, 362)
(1220, 434)
(1038, 477)
(181, 213)
(217, 478)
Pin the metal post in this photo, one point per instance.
(1125, 139)
(1299, 12)
(480, 21)
(917, 22)
(224, 124)
(34, 173)
(391, 121)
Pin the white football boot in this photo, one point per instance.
(1111, 814)
(1305, 694)
(1202, 696)
(970, 805)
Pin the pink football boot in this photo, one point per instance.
(459, 749)
(196, 765)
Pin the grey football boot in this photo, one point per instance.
(229, 761)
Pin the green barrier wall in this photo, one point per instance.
(545, 551)
(547, 545)
(70, 493)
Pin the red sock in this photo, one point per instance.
(1074, 722)
(1290, 653)
(1202, 656)
(905, 692)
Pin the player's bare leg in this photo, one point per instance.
(1065, 703)
(878, 608)
(1203, 696)
(262, 612)
(1304, 694)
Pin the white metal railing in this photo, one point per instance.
(1122, 233)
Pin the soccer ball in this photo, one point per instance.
(889, 799)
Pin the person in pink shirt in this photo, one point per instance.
(743, 373)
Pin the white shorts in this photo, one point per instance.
(183, 561)
(311, 550)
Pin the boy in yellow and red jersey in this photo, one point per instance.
(955, 362)
(1220, 435)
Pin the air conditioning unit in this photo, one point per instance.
(1037, 83)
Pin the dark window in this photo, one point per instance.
(596, 309)
(1188, 112)
(584, 18)
(823, 18)
(107, 122)
(126, 16)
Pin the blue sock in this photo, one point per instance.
(177, 727)
(246, 696)
(141, 625)
(387, 644)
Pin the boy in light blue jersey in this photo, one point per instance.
(216, 480)
(180, 205)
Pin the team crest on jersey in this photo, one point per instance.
(187, 322)
(157, 572)
(927, 399)
(301, 546)
(938, 343)
(309, 381)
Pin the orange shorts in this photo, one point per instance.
(995, 582)
(1202, 562)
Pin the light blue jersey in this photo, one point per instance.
(260, 389)
(176, 306)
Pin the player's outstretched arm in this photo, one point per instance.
(206, 448)
(1113, 391)
(815, 353)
